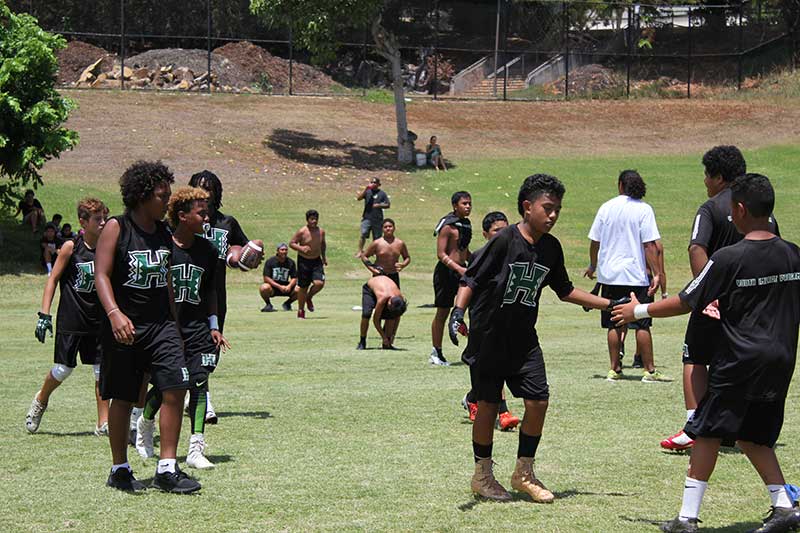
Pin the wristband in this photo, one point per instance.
(109, 313)
(213, 322)
(640, 311)
(228, 259)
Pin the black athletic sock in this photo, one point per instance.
(528, 445)
(480, 451)
(363, 340)
(471, 397)
(438, 351)
(152, 403)
(503, 407)
(197, 409)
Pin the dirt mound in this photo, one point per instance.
(589, 79)
(225, 72)
(265, 70)
(78, 55)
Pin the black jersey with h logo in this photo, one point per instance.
(141, 268)
(78, 304)
(193, 270)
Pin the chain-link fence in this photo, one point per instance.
(450, 48)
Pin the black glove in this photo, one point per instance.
(457, 325)
(619, 301)
(43, 325)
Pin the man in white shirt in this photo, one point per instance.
(623, 245)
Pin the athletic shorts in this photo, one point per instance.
(68, 345)
(726, 414)
(283, 291)
(202, 356)
(704, 339)
(374, 226)
(529, 381)
(309, 270)
(157, 350)
(445, 286)
(394, 276)
(614, 292)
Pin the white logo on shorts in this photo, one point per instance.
(185, 374)
(208, 359)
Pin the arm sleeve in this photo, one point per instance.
(702, 228)
(237, 236)
(558, 279)
(487, 261)
(648, 229)
(710, 284)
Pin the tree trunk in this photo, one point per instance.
(389, 48)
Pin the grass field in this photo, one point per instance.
(316, 436)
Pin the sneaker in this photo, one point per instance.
(524, 480)
(361, 346)
(680, 525)
(387, 347)
(438, 359)
(780, 519)
(286, 306)
(177, 482)
(123, 479)
(637, 361)
(613, 375)
(34, 416)
(144, 437)
(506, 421)
(211, 415)
(484, 485)
(196, 457)
(301, 313)
(470, 407)
(655, 377)
(267, 308)
(101, 430)
(678, 442)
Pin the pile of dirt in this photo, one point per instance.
(226, 73)
(271, 73)
(78, 55)
(588, 79)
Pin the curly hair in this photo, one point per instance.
(632, 184)
(535, 186)
(491, 218)
(182, 201)
(209, 181)
(755, 192)
(90, 205)
(395, 308)
(140, 180)
(725, 161)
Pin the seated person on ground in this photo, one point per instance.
(56, 220)
(434, 154)
(280, 279)
(32, 211)
(382, 300)
(66, 233)
(50, 244)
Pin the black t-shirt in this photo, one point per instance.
(192, 273)
(757, 284)
(25, 208)
(141, 265)
(78, 305)
(462, 225)
(225, 232)
(507, 278)
(282, 273)
(372, 197)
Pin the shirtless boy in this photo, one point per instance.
(381, 298)
(309, 243)
(387, 251)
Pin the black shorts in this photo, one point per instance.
(68, 345)
(373, 226)
(445, 286)
(728, 415)
(202, 356)
(157, 350)
(614, 292)
(704, 339)
(283, 291)
(309, 270)
(394, 276)
(528, 382)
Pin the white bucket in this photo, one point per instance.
(422, 159)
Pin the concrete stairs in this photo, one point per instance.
(485, 89)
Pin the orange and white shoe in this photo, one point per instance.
(506, 421)
(678, 442)
(471, 408)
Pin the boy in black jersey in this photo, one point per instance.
(506, 280)
(225, 234)
(712, 230)
(78, 320)
(194, 263)
(140, 335)
(756, 283)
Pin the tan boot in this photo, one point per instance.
(525, 481)
(485, 485)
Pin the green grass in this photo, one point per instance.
(315, 436)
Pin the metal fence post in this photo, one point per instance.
(208, 9)
(436, 54)
(291, 57)
(364, 70)
(565, 35)
(122, 45)
(689, 59)
(505, 50)
(740, 65)
(628, 50)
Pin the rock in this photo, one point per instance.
(184, 85)
(165, 70)
(169, 77)
(141, 73)
(184, 74)
(101, 80)
(140, 82)
(90, 72)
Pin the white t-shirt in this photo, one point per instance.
(621, 226)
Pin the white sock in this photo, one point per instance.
(682, 439)
(690, 414)
(125, 465)
(209, 407)
(49, 268)
(166, 465)
(693, 491)
(136, 412)
(779, 496)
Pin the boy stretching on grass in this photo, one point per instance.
(506, 280)
(757, 284)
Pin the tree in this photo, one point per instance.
(31, 110)
(314, 25)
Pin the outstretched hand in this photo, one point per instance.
(456, 326)
(622, 313)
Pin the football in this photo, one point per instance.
(251, 255)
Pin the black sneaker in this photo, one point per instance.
(637, 361)
(267, 308)
(177, 482)
(361, 346)
(123, 479)
(780, 519)
(388, 347)
(680, 525)
(286, 306)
